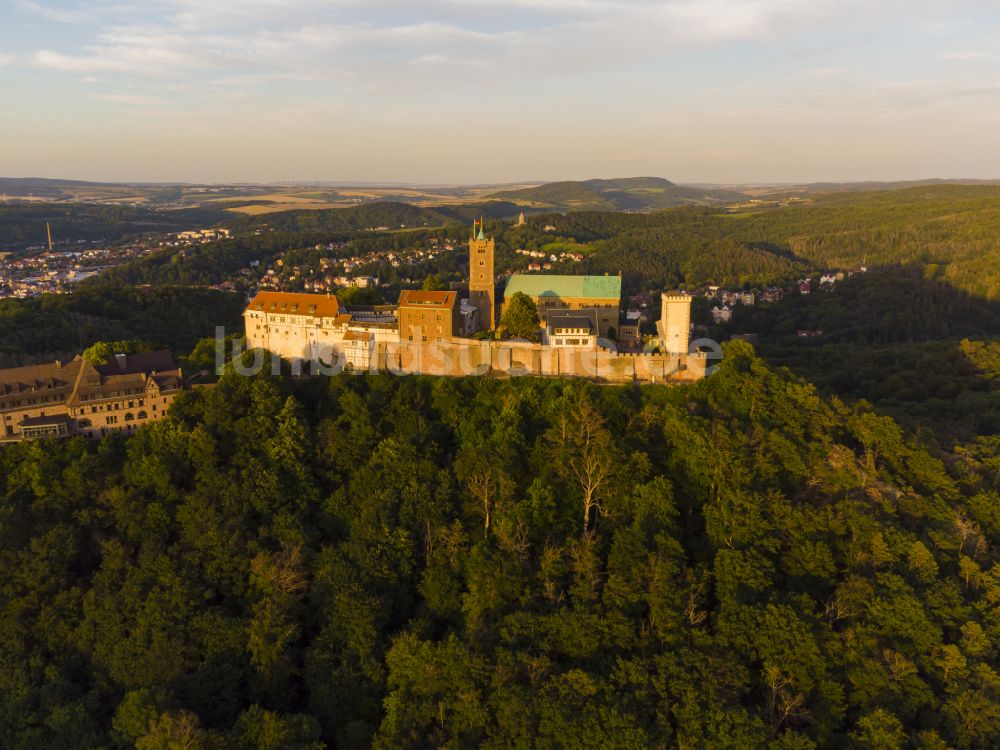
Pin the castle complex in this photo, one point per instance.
(434, 332)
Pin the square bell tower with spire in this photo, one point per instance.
(482, 287)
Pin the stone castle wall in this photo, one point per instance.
(465, 357)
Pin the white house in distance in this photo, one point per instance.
(722, 314)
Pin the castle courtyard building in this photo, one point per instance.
(296, 326)
(597, 297)
(428, 316)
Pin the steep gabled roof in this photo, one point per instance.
(293, 303)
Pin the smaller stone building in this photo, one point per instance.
(426, 316)
(570, 329)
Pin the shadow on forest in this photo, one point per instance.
(895, 338)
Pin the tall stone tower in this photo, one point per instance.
(482, 290)
(675, 322)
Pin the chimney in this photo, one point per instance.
(120, 359)
(58, 364)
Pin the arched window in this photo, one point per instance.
(129, 417)
(141, 415)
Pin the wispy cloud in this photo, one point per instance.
(967, 55)
(644, 75)
(814, 73)
(181, 37)
(131, 99)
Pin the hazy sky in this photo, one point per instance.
(464, 91)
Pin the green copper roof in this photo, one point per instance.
(544, 285)
(481, 235)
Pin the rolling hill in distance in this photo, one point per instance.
(623, 194)
(633, 194)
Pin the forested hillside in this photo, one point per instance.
(902, 338)
(384, 214)
(60, 326)
(24, 225)
(629, 193)
(407, 562)
(954, 229)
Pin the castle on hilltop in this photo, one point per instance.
(435, 332)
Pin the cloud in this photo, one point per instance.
(432, 60)
(537, 37)
(814, 73)
(968, 55)
(145, 59)
(131, 99)
(7, 58)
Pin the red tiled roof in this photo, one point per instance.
(290, 303)
(357, 336)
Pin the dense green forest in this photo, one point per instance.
(412, 562)
(51, 326)
(899, 337)
(387, 214)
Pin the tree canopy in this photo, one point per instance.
(102, 352)
(520, 316)
(394, 562)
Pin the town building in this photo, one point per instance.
(77, 398)
(722, 314)
(204, 235)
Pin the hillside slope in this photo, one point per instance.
(413, 563)
(628, 194)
